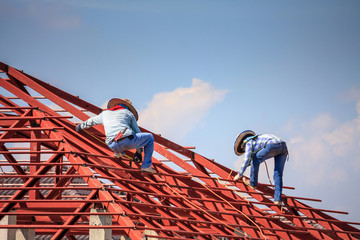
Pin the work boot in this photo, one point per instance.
(237, 177)
(247, 182)
(278, 203)
(148, 169)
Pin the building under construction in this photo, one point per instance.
(60, 184)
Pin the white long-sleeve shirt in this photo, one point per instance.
(114, 121)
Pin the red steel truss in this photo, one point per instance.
(51, 176)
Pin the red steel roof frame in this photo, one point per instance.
(200, 202)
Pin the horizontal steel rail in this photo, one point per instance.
(43, 157)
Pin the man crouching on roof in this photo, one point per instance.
(122, 131)
(257, 149)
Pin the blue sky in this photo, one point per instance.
(200, 72)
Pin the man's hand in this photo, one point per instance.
(137, 157)
(78, 128)
(118, 154)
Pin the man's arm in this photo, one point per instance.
(133, 124)
(89, 123)
(247, 159)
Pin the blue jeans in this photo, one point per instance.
(140, 140)
(279, 152)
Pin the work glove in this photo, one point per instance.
(78, 128)
(137, 156)
(119, 154)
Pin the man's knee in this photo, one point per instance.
(151, 137)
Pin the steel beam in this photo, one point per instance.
(199, 201)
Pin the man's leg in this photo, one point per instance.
(148, 140)
(259, 157)
(278, 172)
(140, 140)
(271, 150)
(254, 171)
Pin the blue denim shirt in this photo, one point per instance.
(253, 145)
(114, 122)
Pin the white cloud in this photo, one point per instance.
(325, 151)
(174, 114)
(321, 123)
(351, 94)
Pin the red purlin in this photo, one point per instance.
(52, 176)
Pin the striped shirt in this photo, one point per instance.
(254, 145)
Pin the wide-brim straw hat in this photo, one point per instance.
(238, 148)
(116, 101)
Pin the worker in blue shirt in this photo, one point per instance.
(122, 132)
(258, 148)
